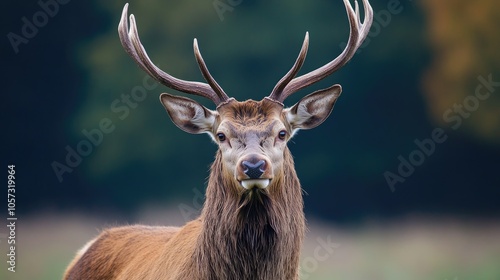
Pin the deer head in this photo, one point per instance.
(251, 135)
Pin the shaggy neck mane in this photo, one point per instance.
(254, 234)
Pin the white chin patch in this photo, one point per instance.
(255, 183)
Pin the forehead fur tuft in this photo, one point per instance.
(250, 112)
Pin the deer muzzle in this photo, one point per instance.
(253, 172)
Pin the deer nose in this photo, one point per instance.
(254, 170)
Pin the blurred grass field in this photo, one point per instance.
(410, 248)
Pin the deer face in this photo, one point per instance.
(251, 135)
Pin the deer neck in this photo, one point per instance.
(255, 236)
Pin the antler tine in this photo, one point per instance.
(278, 89)
(358, 33)
(125, 39)
(132, 44)
(206, 74)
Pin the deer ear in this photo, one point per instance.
(313, 109)
(187, 114)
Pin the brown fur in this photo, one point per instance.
(241, 234)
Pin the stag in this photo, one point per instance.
(252, 223)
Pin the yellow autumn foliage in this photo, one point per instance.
(465, 43)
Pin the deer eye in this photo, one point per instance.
(282, 135)
(221, 137)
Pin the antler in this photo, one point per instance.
(287, 86)
(132, 45)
